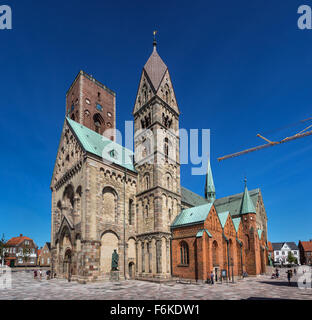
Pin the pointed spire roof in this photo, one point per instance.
(247, 204)
(209, 186)
(155, 68)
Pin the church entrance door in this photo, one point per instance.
(67, 263)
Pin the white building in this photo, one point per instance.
(281, 250)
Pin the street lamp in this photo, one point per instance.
(232, 265)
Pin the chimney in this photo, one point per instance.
(21, 235)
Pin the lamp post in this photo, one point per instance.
(232, 265)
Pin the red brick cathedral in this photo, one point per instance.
(227, 236)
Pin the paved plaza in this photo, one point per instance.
(25, 287)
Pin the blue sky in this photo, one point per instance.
(238, 67)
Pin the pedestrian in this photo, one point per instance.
(40, 274)
(211, 277)
(277, 273)
(289, 276)
(35, 274)
(48, 274)
(295, 271)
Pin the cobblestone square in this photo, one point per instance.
(25, 287)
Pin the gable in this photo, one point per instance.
(145, 87)
(69, 152)
(229, 227)
(166, 92)
(101, 146)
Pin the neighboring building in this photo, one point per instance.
(104, 199)
(38, 255)
(281, 250)
(21, 252)
(44, 257)
(305, 248)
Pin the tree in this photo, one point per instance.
(2, 249)
(26, 254)
(291, 259)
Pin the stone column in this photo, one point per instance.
(143, 258)
(150, 256)
(158, 256)
(168, 256)
(136, 257)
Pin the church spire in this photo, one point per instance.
(247, 204)
(155, 68)
(210, 191)
(154, 42)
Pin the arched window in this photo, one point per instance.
(247, 242)
(147, 184)
(169, 216)
(146, 211)
(68, 197)
(144, 92)
(109, 204)
(167, 93)
(215, 258)
(184, 251)
(166, 148)
(98, 122)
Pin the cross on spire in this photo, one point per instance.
(155, 42)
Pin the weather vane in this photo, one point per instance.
(154, 42)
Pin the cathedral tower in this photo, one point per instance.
(92, 104)
(210, 191)
(251, 245)
(156, 117)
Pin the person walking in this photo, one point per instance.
(40, 274)
(35, 274)
(211, 277)
(288, 276)
(295, 271)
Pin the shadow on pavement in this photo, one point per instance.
(280, 283)
(264, 298)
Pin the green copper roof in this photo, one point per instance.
(201, 232)
(192, 215)
(236, 222)
(101, 146)
(223, 217)
(210, 191)
(191, 198)
(247, 205)
(230, 203)
(259, 233)
(233, 203)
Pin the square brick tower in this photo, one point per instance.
(92, 104)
